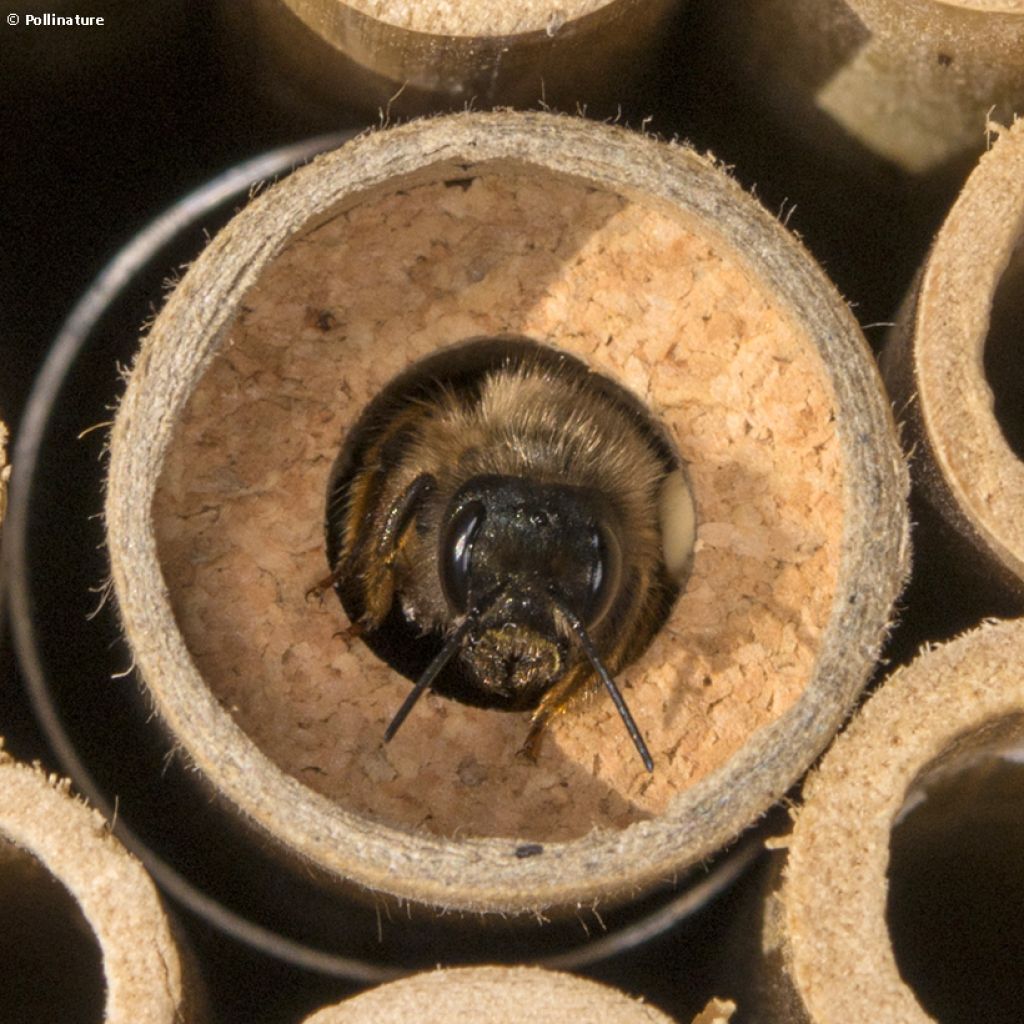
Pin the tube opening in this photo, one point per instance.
(51, 967)
(635, 292)
(1004, 369)
(956, 889)
(462, 371)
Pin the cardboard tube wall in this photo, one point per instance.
(500, 995)
(827, 949)
(951, 365)
(52, 840)
(905, 83)
(422, 57)
(611, 246)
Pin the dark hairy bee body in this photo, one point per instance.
(508, 513)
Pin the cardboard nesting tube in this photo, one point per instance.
(145, 976)
(908, 83)
(965, 303)
(564, 176)
(421, 57)
(826, 947)
(499, 995)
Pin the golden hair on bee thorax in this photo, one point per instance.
(509, 528)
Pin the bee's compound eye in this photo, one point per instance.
(605, 574)
(457, 551)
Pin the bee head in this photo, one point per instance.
(513, 553)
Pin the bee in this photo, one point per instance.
(508, 528)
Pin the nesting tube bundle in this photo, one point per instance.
(645, 262)
(49, 842)
(953, 367)
(907, 82)
(828, 954)
(499, 995)
(417, 57)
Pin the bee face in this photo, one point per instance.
(516, 548)
(493, 526)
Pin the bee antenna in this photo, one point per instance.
(609, 684)
(443, 656)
